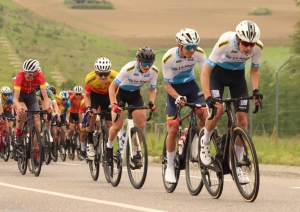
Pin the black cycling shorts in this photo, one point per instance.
(102, 101)
(133, 98)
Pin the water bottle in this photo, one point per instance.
(27, 138)
(121, 141)
(181, 143)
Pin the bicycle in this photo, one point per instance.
(190, 156)
(137, 166)
(74, 142)
(224, 157)
(45, 138)
(58, 142)
(100, 138)
(25, 152)
(6, 140)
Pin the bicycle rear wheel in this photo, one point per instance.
(103, 137)
(71, 152)
(212, 175)
(192, 163)
(137, 166)
(36, 155)
(248, 163)
(170, 187)
(46, 144)
(21, 153)
(115, 170)
(54, 148)
(7, 140)
(61, 146)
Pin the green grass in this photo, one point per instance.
(89, 5)
(260, 11)
(286, 151)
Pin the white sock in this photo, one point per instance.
(170, 158)
(109, 144)
(82, 146)
(206, 137)
(239, 152)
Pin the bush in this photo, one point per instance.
(88, 4)
(260, 11)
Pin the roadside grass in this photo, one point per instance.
(102, 5)
(286, 151)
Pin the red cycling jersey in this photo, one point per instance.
(29, 86)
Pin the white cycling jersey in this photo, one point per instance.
(227, 55)
(177, 69)
(131, 78)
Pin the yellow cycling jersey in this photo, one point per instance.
(93, 84)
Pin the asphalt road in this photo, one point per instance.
(68, 186)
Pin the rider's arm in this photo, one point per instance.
(87, 99)
(46, 99)
(56, 108)
(68, 114)
(1, 109)
(171, 91)
(254, 76)
(112, 92)
(16, 98)
(204, 78)
(152, 94)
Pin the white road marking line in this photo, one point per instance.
(122, 205)
(70, 164)
(295, 187)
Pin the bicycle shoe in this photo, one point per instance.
(18, 140)
(109, 156)
(67, 143)
(82, 155)
(137, 160)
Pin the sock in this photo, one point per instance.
(239, 152)
(170, 158)
(82, 146)
(109, 144)
(18, 132)
(206, 136)
(135, 149)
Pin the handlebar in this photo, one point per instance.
(191, 105)
(104, 112)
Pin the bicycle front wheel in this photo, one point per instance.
(212, 175)
(36, 154)
(192, 163)
(102, 143)
(46, 146)
(137, 158)
(246, 161)
(21, 153)
(7, 141)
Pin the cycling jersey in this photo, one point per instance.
(75, 103)
(227, 54)
(82, 107)
(93, 84)
(65, 107)
(6, 104)
(177, 69)
(29, 86)
(49, 94)
(58, 100)
(131, 78)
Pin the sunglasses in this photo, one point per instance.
(64, 99)
(78, 94)
(145, 64)
(246, 44)
(100, 74)
(6, 94)
(29, 74)
(190, 47)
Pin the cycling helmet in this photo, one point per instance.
(31, 65)
(187, 36)
(102, 65)
(145, 54)
(64, 94)
(78, 89)
(5, 89)
(248, 31)
(47, 85)
(53, 89)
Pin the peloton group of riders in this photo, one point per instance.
(105, 88)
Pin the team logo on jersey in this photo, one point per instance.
(130, 80)
(135, 74)
(174, 69)
(191, 59)
(228, 56)
(178, 61)
(147, 75)
(233, 51)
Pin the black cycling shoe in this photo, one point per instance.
(67, 143)
(109, 156)
(82, 155)
(137, 160)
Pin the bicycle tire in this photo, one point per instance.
(6, 145)
(250, 190)
(115, 170)
(192, 163)
(170, 187)
(102, 146)
(94, 165)
(22, 155)
(137, 168)
(73, 141)
(54, 148)
(46, 144)
(38, 161)
(213, 177)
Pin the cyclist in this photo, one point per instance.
(126, 88)
(75, 100)
(7, 103)
(226, 67)
(2, 122)
(179, 81)
(82, 138)
(24, 96)
(96, 96)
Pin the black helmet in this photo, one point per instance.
(53, 89)
(145, 54)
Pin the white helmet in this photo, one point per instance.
(31, 65)
(102, 65)
(5, 89)
(47, 85)
(78, 89)
(187, 36)
(248, 31)
(64, 94)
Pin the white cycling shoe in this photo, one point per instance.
(242, 177)
(170, 175)
(205, 153)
